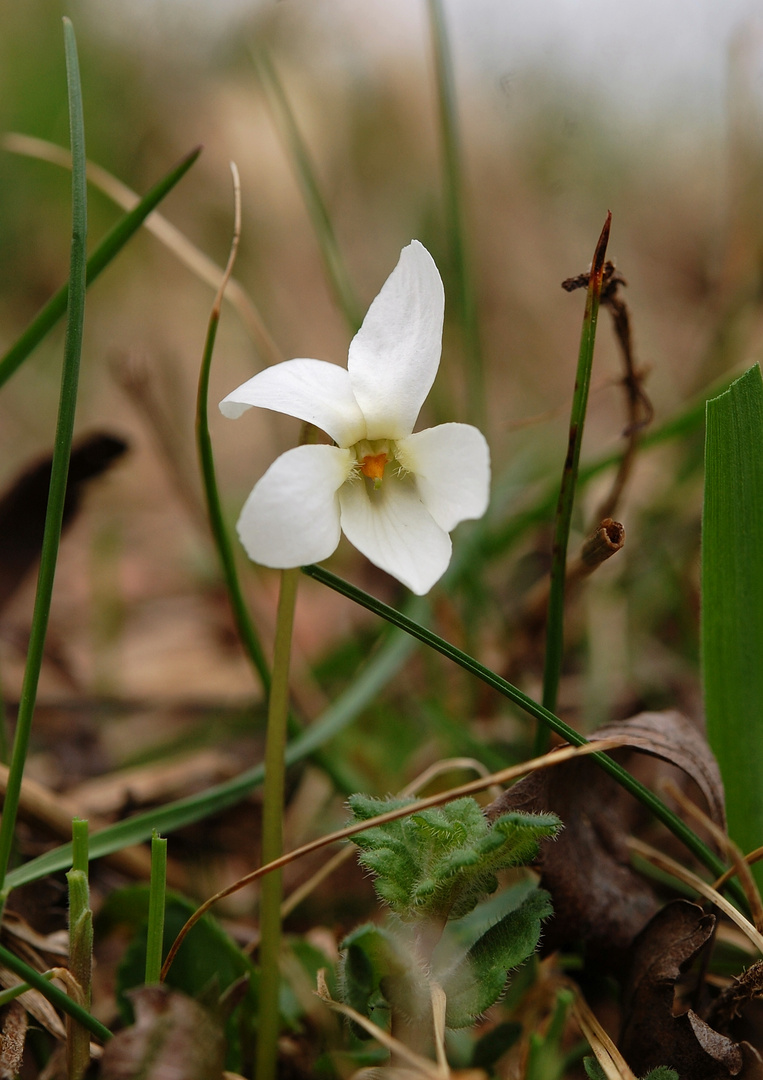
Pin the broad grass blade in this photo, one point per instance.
(732, 602)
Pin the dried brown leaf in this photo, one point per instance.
(672, 737)
(23, 506)
(173, 1038)
(652, 1034)
(599, 899)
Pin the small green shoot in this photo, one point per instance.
(80, 949)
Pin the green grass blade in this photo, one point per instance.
(555, 622)
(222, 541)
(166, 819)
(454, 209)
(61, 454)
(311, 191)
(156, 906)
(528, 705)
(105, 252)
(55, 996)
(732, 602)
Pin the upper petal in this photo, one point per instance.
(311, 390)
(395, 355)
(451, 465)
(292, 516)
(393, 529)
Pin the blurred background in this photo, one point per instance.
(652, 110)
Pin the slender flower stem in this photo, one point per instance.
(272, 830)
(61, 455)
(555, 622)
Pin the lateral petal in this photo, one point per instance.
(451, 466)
(395, 355)
(292, 516)
(311, 390)
(393, 529)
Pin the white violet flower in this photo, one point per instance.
(394, 494)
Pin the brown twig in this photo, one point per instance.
(639, 407)
(605, 541)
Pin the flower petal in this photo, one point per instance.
(311, 390)
(393, 529)
(292, 515)
(451, 466)
(395, 355)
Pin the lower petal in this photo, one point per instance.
(451, 464)
(292, 516)
(393, 529)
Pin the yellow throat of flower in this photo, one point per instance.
(372, 457)
(372, 466)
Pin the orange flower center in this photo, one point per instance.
(373, 467)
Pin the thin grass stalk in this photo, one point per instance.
(555, 622)
(157, 896)
(61, 455)
(272, 831)
(247, 633)
(455, 216)
(678, 827)
(315, 204)
(106, 251)
(80, 950)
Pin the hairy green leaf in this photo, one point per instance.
(439, 863)
(476, 981)
(378, 964)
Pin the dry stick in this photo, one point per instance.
(554, 757)
(664, 862)
(750, 858)
(196, 261)
(640, 411)
(608, 1056)
(725, 844)
(417, 1063)
(605, 541)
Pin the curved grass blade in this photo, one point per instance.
(61, 454)
(311, 192)
(106, 251)
(555, 621)
(247, 633)
(454, 207)
(732, 602)
(166, 819)
(62, 1001)
(528, 705)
